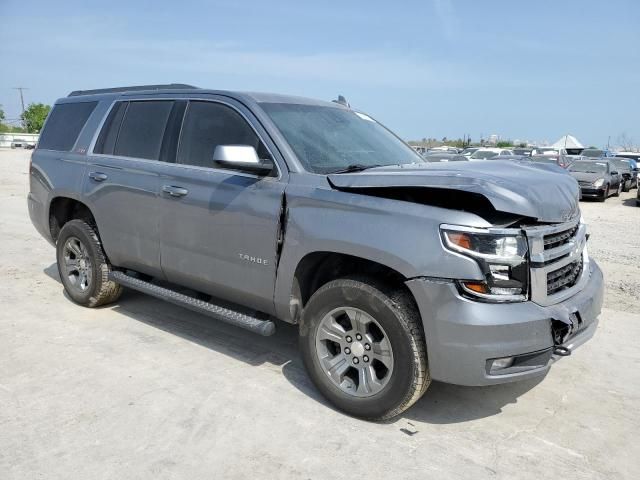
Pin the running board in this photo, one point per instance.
(242, 320)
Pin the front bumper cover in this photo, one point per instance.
(463, 335)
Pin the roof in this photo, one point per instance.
(567, 141)
(180, 88)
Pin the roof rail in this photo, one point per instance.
(169, 86)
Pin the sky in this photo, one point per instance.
(532, 70)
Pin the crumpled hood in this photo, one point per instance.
(527, 190)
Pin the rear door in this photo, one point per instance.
(219, 233)
(122, 181)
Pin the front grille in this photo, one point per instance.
(582, 183)
(556, 239)
(564, 277)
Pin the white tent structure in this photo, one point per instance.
(569, 142)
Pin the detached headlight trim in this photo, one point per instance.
(501, 255)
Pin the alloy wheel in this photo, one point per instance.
(354, 351)
(77, 264)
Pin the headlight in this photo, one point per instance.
(502, 257)
(598, 183)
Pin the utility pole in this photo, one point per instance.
(21, 89)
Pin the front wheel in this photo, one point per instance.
(83, 267)
(605, 195)
(626, 186)
(618, 189)
(363, 345)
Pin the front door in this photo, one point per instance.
(219, 227)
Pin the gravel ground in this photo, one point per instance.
(143, 389)
(615, 244)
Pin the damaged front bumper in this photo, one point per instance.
(465, 337)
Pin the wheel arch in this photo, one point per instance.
(316, 269)
(62, 209)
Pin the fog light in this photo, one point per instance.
(501, 363)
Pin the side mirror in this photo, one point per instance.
(614, 172)
(242, 157)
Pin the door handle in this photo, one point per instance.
(175, 191)
(98, 176)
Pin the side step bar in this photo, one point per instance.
(242, 320)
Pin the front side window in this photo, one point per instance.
(207, 125)
(327, 139)
(64, 125)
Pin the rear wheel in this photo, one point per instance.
(626, 186)
(83, 267)
(364, 347)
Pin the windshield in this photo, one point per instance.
(328, 139)
(484, 154)
(593, 153)
(588, 167)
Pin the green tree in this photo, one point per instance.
(34, 116)
(504, 144)
(2, 117)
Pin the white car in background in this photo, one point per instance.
(486, 153)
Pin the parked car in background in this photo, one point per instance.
(558, 154)
(445, 157)
(634, 161)
(22, 143)
(444, 148)
(630, 155)
(595, 153)
(550, 159)
(467, 152)
(527, 152)
(547, 151)
(508, 157)
(597, 178)
(486, 153)
(629, 175)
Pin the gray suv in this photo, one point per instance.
(256, 209)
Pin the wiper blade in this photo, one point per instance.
(355, 167)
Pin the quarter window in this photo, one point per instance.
(209, 124)
(64, 125)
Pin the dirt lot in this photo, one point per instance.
(143, 389)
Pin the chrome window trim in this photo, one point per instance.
(96, 134)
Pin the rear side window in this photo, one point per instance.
(64, 125)
(140, 133)
(207, 125)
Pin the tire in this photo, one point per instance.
(605, 195)
(626, 186)
(618, 189)
(83, 267)
(395, 319)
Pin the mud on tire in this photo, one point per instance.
(83, 267)
(394, 310)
